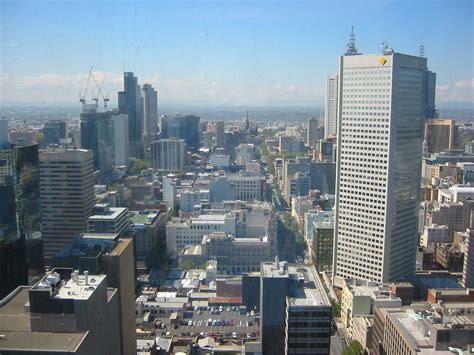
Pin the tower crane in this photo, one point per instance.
(82, 98)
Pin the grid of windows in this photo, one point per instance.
(380, 153)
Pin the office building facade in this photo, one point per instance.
(67, 196)
(130, 103)
(378, 165)
(150, 114)
(20, 213)
(168, 154)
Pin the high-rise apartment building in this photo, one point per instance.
(20, 212)
(380, 134)
(67, 196)
(168, 154)
(150, 114)
(120, 146)
(130, 103)
(331, 107)
(311, 131)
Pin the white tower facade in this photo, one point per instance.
(380, 135)
(330, 110)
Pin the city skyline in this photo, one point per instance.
(246, 53)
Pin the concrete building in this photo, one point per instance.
(435, 234)
(147, 229)
(168, 154)
(69, 175)
(233, 255)
(120, 147)
(219, 161)
(293, 295)
(150, 114)
(440, 134)
(180, 233)
(361, 297)
(248, 187)
(291, 145)
(427, 331)
(331, 106)
(106, 219)
(321, 244)
(190, 198)
(222, 189)
(169, 192)
(59, 315)
(456, 193)
(468, 268)
(53, 132)
(311, 128)
(113, 256)
(244, 153)
(378, 165)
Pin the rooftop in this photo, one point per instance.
(79, 287)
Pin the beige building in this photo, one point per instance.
(360, 297)
(67, 196)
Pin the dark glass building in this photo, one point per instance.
(20, 215)
(96, 135)
(53, 131)
(130, 103)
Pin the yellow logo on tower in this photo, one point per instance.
(382, 60)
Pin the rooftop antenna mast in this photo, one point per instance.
(351, 47)
(422, 51)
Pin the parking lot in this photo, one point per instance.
(230, 324)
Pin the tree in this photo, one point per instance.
(354, 348)
(139, 165)
(187, 265)
(336, 308)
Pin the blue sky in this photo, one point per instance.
(222, 52)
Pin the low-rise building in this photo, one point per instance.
(189, 198)
(233, 255)
(435, 234)
(359, 297)
(106, 219)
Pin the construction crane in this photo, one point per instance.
(105, 98)
(82, 98)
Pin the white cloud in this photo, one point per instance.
(462, 90)
(58, 88)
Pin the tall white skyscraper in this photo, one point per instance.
(380, 135)
(120, 146)
(330, 111)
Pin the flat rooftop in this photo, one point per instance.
(312, 292)
(111, 214)
(76, 289)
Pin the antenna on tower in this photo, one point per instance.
(351, 48)
(422, 51)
